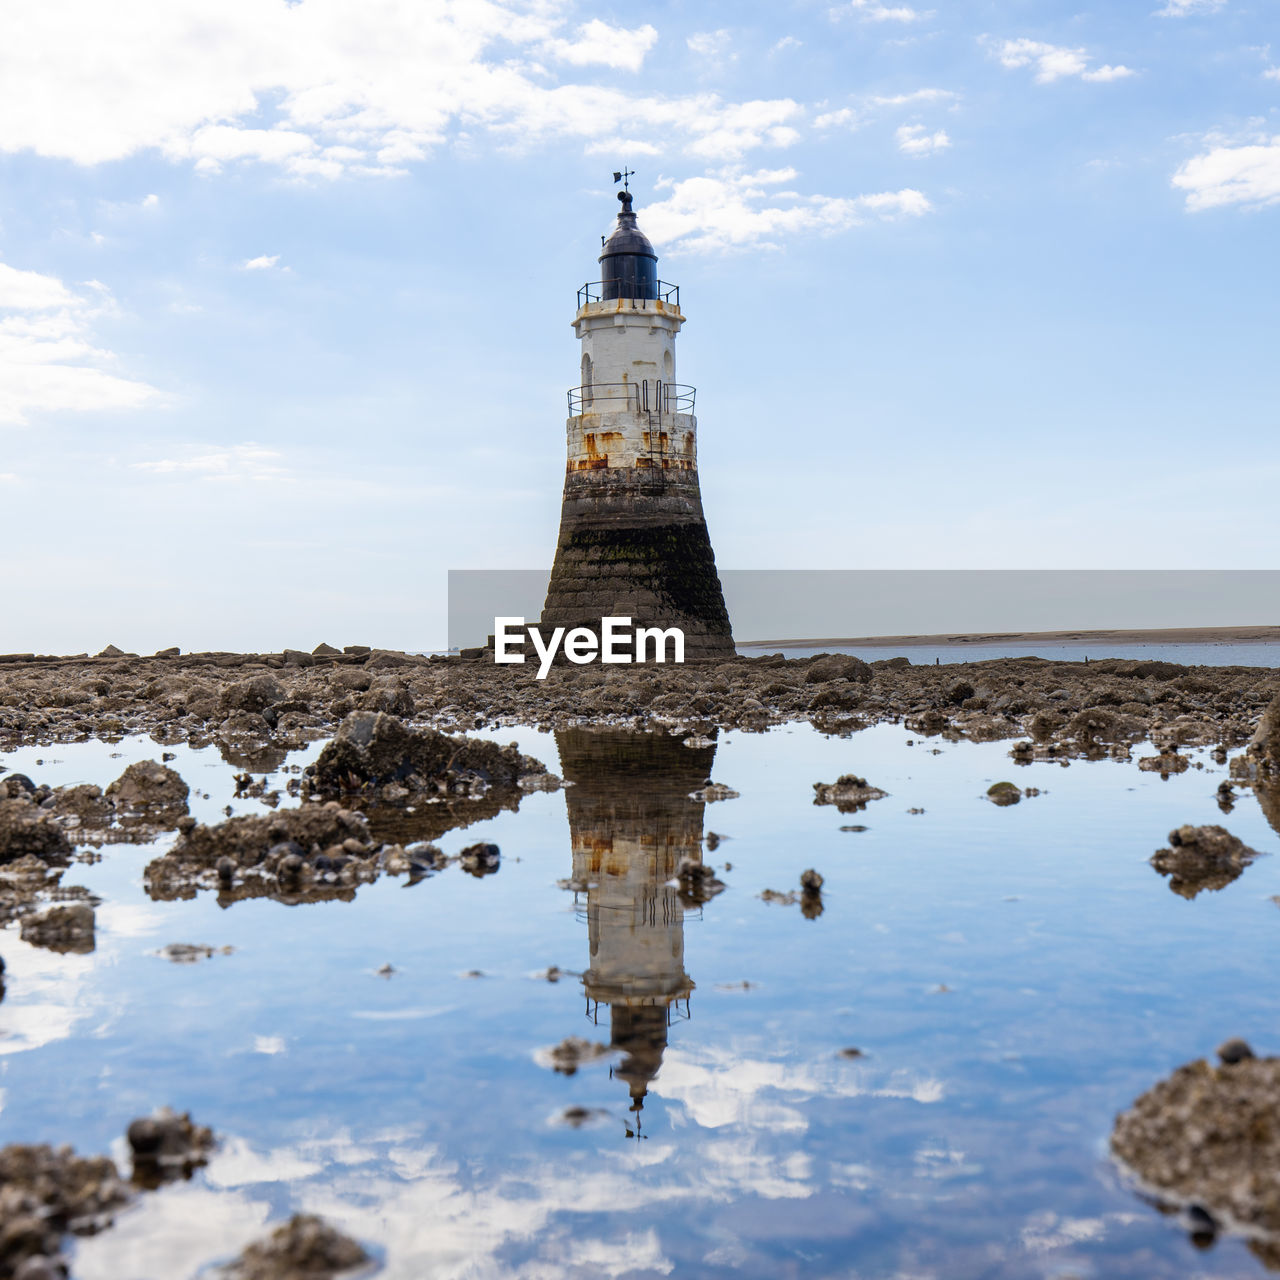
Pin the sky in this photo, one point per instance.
(286, 292)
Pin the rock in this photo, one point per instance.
(296, 658)
(323, 650)
(1233, 1051)
(112, 652)
(173, 652)
(480, 859)
(45, 1193)
(697, 881)
(571, 1053)
(254, 695)
(191, 952)
(63, 929)
(25, 829)
(304, 1248)
(1206, 1139)
(1004, 793)
(167, 1146)
(958, 691)
(851, 1052)
(1200, 858)
(849, 793)
(838, 666)
(1167, 762)
(712, 792)
(1264, 746)
(356, 650)
(146, 787)
(811, 881)
(372, 748)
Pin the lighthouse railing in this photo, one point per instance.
(652, 397)
(593, 291)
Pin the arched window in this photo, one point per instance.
(668, 366)
(587, 397)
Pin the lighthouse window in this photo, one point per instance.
(586, 379)
(668, 366)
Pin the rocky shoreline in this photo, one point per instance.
(256, 706)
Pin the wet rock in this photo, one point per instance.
(480, 859)
(304, 1248)
(191, 952)
(149, 788)
(166, 1147)
(372, 749)
(712, 792)
(47, 1192)
(27, 829)
(811, 881)
(811, 904)
(64, 929)
(253, 695)
(697, 881)
(849, 793)
(1166, 763)
(1264, 746)
(838, 666)
(1235, 1050)
(1004, 793)
(289, 854)
(571, 1053)
(1206, 1139)
(1200, 858)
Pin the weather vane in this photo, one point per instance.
(624, 177)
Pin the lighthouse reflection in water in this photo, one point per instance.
(632, 823)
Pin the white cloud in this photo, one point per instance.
(726, 211)
(845, 117)
(150, 202)
(874, 11)
(264, 262)
(1054, 62)
(916, 95)
(8, 477)
(914, 140)
(1107, 73)
(1271, 73)
(343, 87)
(1232, 174)
(787, 42)
(1181, 8)
(47, 359)
(713, 46)
(598, 42)
(240, 462)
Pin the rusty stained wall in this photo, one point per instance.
(624, 441)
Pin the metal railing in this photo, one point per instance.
(593, 291)
(661, 398)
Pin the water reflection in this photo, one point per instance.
(631, 824)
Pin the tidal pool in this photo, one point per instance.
(1011, 977)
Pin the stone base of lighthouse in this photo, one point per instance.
(634, 543)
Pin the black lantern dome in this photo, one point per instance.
(628, 262)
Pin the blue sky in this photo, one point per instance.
(285, 292)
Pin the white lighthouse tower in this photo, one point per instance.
(633, 537)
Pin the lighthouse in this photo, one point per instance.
(633, 538)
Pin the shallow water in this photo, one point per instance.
(1189, 655)
(1013, 977)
